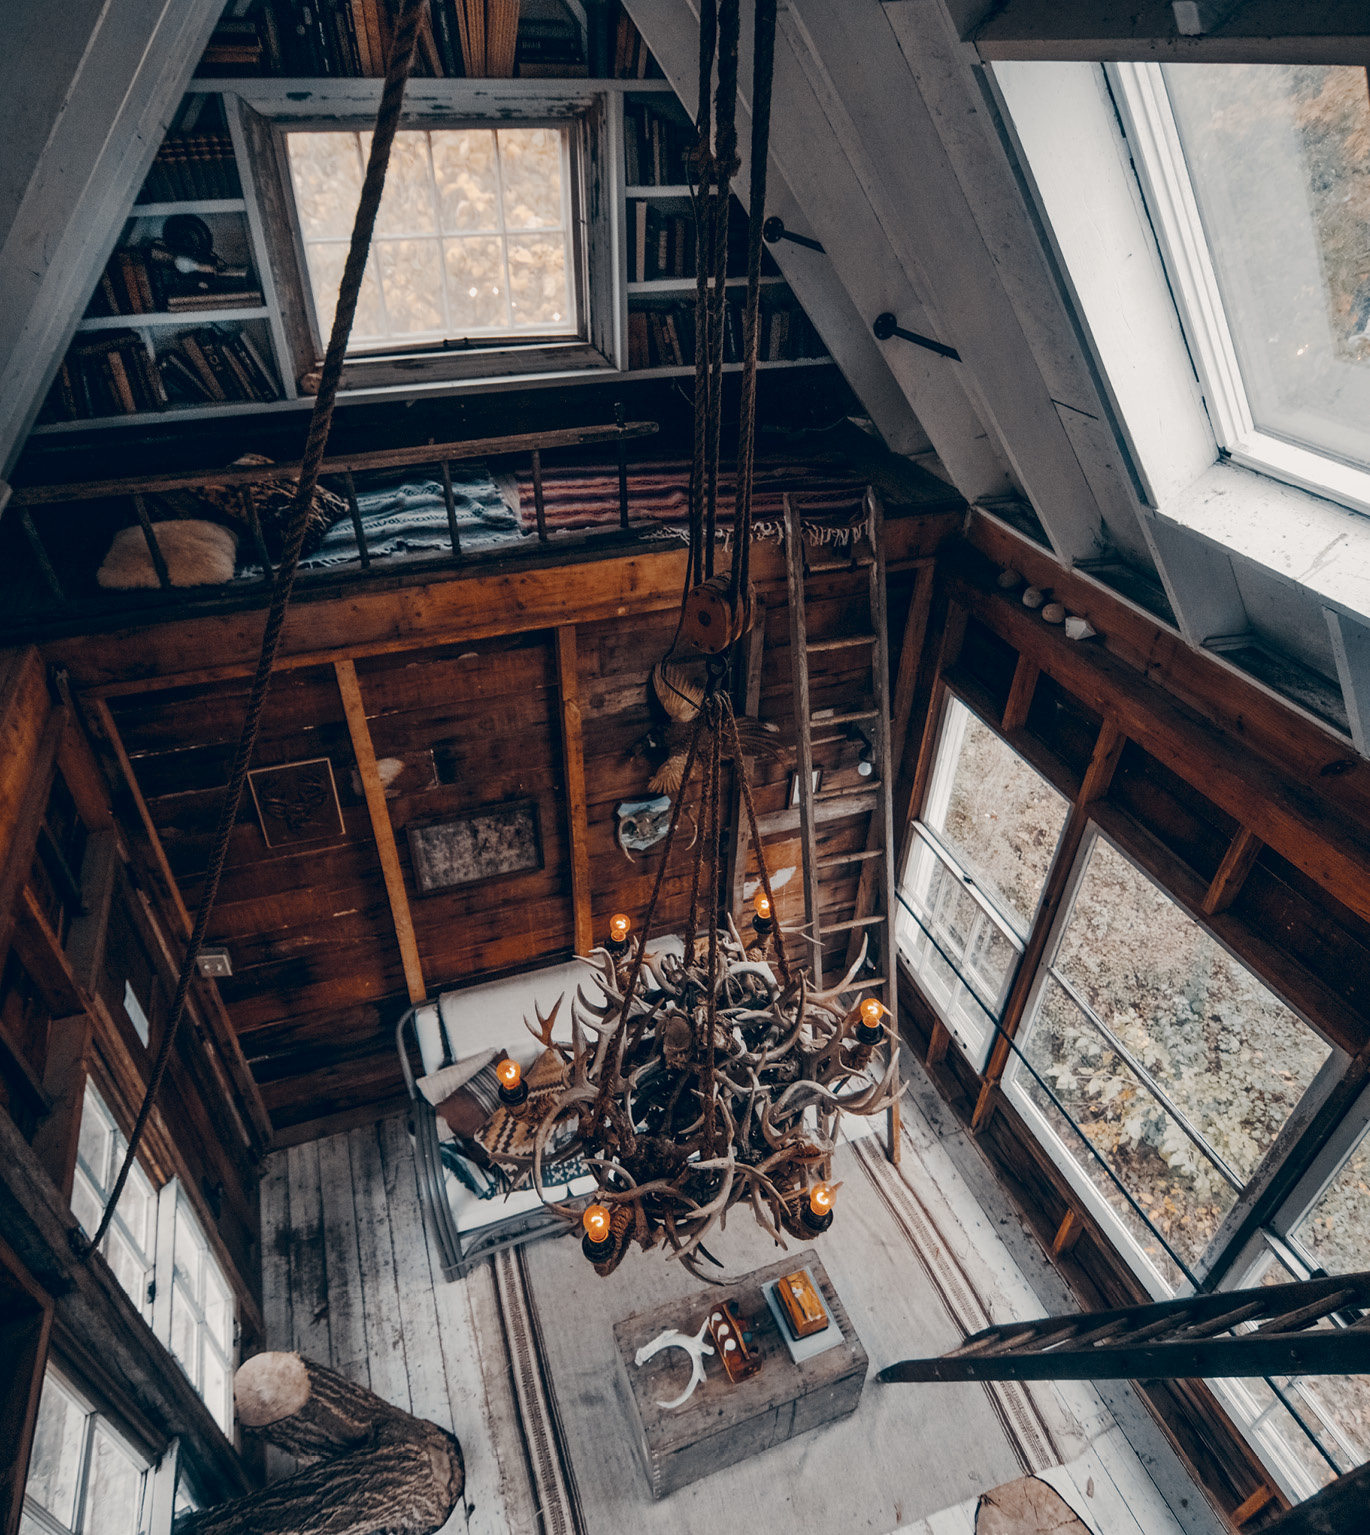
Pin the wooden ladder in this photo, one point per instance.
(877, 925)
(1310, 1327)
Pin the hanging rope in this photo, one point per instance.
(321, 420)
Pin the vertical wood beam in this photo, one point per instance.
(1103, 760)
(25, 1326)
(573, 772)
(1020, 692)
(64, 1082)
(1232, 872)
(381, 828)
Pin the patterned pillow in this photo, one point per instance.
(513, 1133)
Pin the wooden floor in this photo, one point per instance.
(349, 1279)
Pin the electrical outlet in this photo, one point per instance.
(215, 963)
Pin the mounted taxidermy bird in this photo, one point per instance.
(679, 699)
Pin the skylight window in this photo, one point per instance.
(474, 238)
(1257, 178)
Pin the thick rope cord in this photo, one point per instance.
(703, 205)
(757, 843)
(763, 70)
(383, 136)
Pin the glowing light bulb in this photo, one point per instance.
(619, 927)
(820, 1199)
(509, 1073)
(762, 902)
(596, 1223)
(871, 1010)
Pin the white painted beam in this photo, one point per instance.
(928, 207)
(92, 87)
(1199, 580)
(812, 186)
(1351, 651)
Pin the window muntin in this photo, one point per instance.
(130, 1244)
(201, 1332)
(1334, 1231)
(83, 1479)
(474, 236)
(1275, 155)
(1177, 1065)
(1000, 817)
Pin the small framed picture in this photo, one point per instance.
(479, 845)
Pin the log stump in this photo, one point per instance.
(370, 1466)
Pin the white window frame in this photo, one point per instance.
(92, 1100)
(94, 1418)
(178, 1225)
(1158, 156)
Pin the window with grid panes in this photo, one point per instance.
(130, 1244)
(976, 866)
(474, 238)
(201, 1315)
(84, 1478)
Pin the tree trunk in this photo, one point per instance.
(374, 1468)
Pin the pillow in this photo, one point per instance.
(468, 1110)
(510, 1134)
(273, 501)
(197, 553)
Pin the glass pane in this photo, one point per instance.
(476, 283)
(1277, 157)
(1335, 1233)
(128, 1266)
(530, 162)
(1000, 818)
(1232, 1058)
(411, 279)
(538, 292)
(326, 173)
(407, 204)
(464, 169)
(137, 1209)
(86, 1205)
(93, 1142)
(1181, 1191)
(1290, 1452)
(58, 1440)
(115, 1488)
(184, 1332)
(325, 274)
(218, 1310)
(214, 1388)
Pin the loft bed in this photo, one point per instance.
(108, 553)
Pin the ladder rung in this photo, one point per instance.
(846, 927)
(864, 787)
(840, 858)
(849, 718)
(1313, 1312)
(842, 642)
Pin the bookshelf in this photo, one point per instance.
(645, 118)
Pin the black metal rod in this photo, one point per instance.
(451, 503)
(356, 511)
(886, 326)
(537, 497)
(773, 231)
(622, 470)
(41, 555)
(153, 547)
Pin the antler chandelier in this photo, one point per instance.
(702, 1081)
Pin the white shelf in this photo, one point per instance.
(687, 284)
(188, 205)
(676, 193)
(183, 317)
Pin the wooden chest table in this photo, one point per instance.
(722, 1423)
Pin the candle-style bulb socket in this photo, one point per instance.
(763, 927)
(596, 1252)
(815, 1223)
(513, 1097)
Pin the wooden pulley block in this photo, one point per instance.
(711, 621)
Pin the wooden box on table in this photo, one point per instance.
(722, 1424)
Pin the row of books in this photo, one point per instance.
(664, 336)
(133, 284)
(194, 166)
(114, 374)
(661, 243)
(632, 59)
(656, 147)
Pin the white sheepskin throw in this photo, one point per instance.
(196, 554)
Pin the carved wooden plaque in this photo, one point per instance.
(296, 802)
